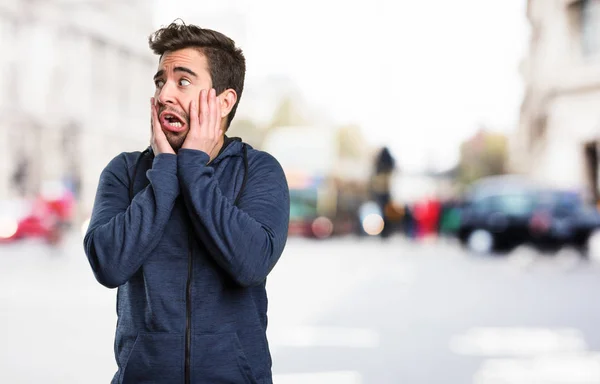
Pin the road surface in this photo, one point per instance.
(344, 311)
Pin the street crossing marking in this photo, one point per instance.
(517, 341)
(529, 355)
(555, 369)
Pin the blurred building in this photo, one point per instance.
(75, 83)
(557, 140)
(482, 155)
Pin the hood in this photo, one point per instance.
(232, 147)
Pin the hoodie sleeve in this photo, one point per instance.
(245, 240)
(121, 234)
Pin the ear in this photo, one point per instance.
(227, 98)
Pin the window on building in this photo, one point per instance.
(590, 27)
(538, 130)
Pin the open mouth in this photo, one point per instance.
(172, 122)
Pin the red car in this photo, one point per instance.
(46, 217)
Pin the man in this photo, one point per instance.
(189, 230)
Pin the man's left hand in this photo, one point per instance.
(205, 126)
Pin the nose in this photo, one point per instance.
(167, 94)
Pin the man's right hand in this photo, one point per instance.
(158, 140)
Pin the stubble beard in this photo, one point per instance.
(176, 140)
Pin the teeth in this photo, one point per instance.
(175, 124)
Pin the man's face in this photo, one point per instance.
(180, 77)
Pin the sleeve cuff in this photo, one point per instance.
(166, 162)
(192, 157)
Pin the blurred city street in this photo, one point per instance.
(346, 310)
(430, 154)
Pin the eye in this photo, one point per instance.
(184, 82)
(159, 83)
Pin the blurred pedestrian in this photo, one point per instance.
(20, 175)
(427, 215)
(449, 218)
(385, 164)
(189, 229)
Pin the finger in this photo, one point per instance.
(194, 122)
(211, 113)
(203, 111)
(151, 119)
(217, 116)
(155, 121)
(152, 108)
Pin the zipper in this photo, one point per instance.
(188, 319)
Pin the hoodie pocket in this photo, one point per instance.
(156, 358)
(219, 358)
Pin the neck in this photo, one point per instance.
(217, 149)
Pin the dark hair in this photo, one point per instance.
(226, 62)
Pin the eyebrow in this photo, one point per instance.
(176, 69)
(184, 69)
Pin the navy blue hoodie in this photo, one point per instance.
(190, 262)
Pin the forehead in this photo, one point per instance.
(190, 58)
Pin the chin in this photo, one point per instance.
(176, 141)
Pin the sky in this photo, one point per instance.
(418, 76)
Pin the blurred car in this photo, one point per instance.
(500, 213)
(496, 221)
(46, 217)
(304, 218)
(307, 220)
(24, 219)
(563, 218)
